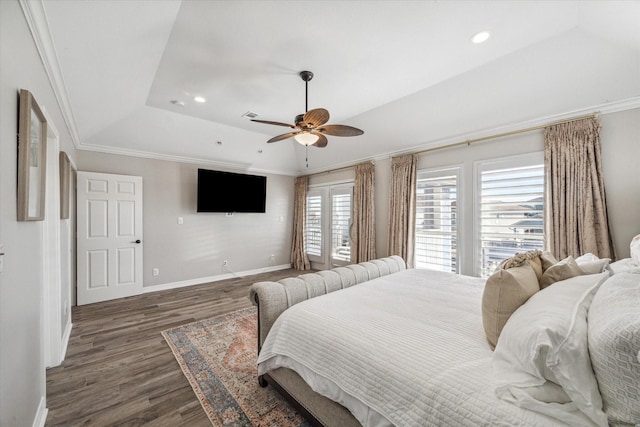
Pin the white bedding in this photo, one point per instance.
(405, 349)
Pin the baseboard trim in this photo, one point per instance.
(41, 415)
(65, 341)
(200, 281)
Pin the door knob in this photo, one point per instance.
(137, 241)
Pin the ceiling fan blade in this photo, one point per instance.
(283, 136)
(340, 130)
(321, 142)
(274, 123)
(316, 117)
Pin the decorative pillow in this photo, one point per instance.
(634, 249)
(520, 258)
(588, 257)
(504, 292)
(614, 346)
(591, 264)
(543, 346)
(595, 267)
(530, 257)
(547, 260)
(561, 270)
(623, 266)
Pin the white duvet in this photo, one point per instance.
(407, 349)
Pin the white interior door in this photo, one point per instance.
(109, 236)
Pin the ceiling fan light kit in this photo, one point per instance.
(306, 138)
(310, 128)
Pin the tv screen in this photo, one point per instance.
(231, 192)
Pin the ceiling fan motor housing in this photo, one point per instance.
(306, 75)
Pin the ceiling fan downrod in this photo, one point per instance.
(306, 76)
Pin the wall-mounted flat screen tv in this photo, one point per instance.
(231, 192)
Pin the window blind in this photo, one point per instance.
(436, 220)
(511, 213)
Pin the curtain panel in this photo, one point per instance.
(402, 208)
(299, 258)
(576, 220)
(363, 226)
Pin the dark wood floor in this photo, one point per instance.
(119, 370)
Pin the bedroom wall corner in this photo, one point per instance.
(620, 141)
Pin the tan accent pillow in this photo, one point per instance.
(504, 292)
(536, 264)
(530, 257)
(565, 269)
(547, 260)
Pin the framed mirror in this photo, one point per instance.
(32, 150)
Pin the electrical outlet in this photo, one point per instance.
(155, 272)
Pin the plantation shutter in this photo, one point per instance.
(436, 220)
(341, 224)
(313, 226)
(511, 213)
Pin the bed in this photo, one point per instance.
(409, 347)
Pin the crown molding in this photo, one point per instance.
(36, 16)
(182, 159)
(601, 109)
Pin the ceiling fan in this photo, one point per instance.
(310, 128)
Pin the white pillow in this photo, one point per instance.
(591, 264)
(634, 249)
(625, 265)
(614, 346)
(543, 346)
(588, 257)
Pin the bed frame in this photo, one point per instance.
(273, 298)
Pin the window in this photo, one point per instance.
(313, 227)
(341, 224)
(436, 219)
(511, 202)
(328, 225)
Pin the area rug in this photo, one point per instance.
(218, 357)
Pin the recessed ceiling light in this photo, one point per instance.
(199, 99)
(178, 103)
(481, 37)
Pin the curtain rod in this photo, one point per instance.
(513, 132)
(339, 169)
(471, 141)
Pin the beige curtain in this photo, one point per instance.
(576, 219)
(402, 207)
(299, 259)
(363, 228)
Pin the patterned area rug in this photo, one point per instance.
(218, 357)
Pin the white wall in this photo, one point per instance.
(620, 139)
(196, 249)
(22, 373)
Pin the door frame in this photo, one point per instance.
(325, 261)
(54, 347)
